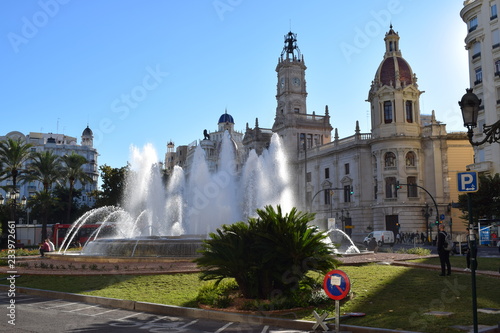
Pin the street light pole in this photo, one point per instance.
(469, 104)
(473, 262)
(427, 212)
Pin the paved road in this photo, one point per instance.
(38, 314)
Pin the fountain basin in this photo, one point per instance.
(185, 246)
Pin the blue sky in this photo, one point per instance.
(160, 70)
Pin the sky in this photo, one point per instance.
(154, 71)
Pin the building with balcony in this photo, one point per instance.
(483, 44)
(61, 144)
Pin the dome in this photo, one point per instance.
(87, 132)
(393, 71)
(390, 67)
(226, 118)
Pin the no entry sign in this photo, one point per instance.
(336, 284)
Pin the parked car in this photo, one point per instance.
(382, 237)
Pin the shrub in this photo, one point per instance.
(416, 250)
(269, 255)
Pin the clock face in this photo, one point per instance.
(296, 81)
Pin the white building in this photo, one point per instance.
(483, 44)
(353, 181)
(60, 145)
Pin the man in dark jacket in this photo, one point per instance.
(444, 255)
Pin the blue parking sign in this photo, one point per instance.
(467, 181)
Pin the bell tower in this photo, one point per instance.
(291, 89)
(294, 125)
(394, 95)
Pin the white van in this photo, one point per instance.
(382, 237)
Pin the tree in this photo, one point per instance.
(486, 201)
(44, 168)
(267, 256)
(113, 184)
(13, 155)
(72, 172)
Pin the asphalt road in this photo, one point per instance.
(38, 314)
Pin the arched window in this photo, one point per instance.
(390, 159)
(410, 159)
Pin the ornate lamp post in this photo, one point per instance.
(427, 212)
(469, 104)
(14, 196)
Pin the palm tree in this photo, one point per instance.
(271, 252)
(13, 155)
(72, 171)
(45, 168)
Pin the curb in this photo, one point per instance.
(171, 310)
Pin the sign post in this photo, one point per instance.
(337, 286)
(468, 183)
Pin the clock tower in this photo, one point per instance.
(298, 129)
(291, 89)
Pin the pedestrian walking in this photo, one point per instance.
(444, 255)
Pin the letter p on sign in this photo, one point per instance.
(467, 182)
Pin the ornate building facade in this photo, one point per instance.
(368, 181)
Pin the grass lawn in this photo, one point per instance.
(392, 297)
(459, 261)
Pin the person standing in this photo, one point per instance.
(444, 255)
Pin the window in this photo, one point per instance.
(327, 173)
(479, 75)
(495, 38)
(498, 95)
(327, 195)
(347, 193)
(497, 67)
(410, 159)
(493, 11)
(473, 24)
(476, 50)
(308, 177)
(296, 110)
(390, 188)
(346, 168)
(390, 159)
(409, 111)
(387, 112)
(375, 190)
(412, 190)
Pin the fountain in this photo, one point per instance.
(343, 243)
(171, 221)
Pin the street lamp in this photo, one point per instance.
(14, 196)
(469, 104)
(427, 212)
(470, 107)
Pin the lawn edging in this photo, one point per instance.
(192, 312)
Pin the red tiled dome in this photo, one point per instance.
(387, 72)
